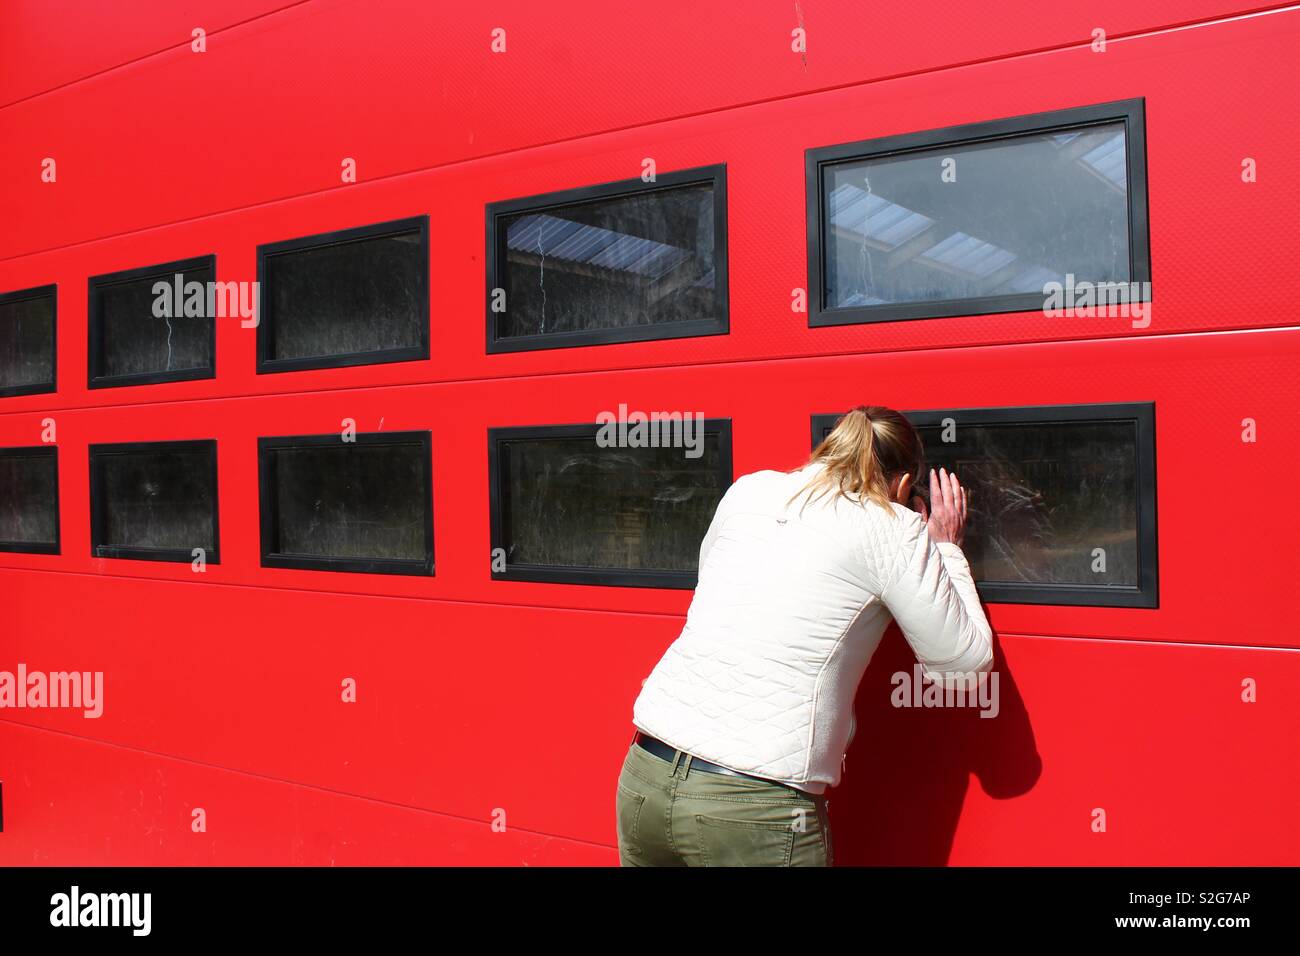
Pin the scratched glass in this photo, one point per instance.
(135, 341)
(352, 501)
(359, 296)
(570, 503)
(27, 341)
(28, 497)
(159, 499)
(996, 218)
(647, 258)
(1045, 495)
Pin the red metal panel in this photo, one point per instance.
(76, 802)
(1205, 275)
(226, 686)
(275, 104)
(79, 39)
(1157, 737)
(1203, 386)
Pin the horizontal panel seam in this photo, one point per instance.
(150, 55)
(1079, 44)
(575, 609)
(294, 783)
(667, 366)
(1098, 639)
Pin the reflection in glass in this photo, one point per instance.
(28, 497)
(352, 501)
(157, 499)
(27, 341)
(135, 341)
(570, 503)
(1021, 212)
(642, 259)
(363, 295)
(1044, 497)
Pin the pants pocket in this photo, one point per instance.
(812, 840)
(753, 835)
(629, 806)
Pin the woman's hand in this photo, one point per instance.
(947, 522)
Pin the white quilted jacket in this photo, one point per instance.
(785, 618)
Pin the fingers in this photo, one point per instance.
(946, 483)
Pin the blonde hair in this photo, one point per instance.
(868, 446)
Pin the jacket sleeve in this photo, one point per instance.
(715, 526)
(931, 594)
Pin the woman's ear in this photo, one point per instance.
(899, 488)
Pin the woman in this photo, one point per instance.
(744, 722)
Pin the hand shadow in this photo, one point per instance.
(908, 767)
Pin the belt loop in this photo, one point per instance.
(687, 768)
(677, 755)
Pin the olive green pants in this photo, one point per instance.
(672, 815)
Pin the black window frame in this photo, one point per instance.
(94, 324)
(1146, 593)
(100, 549)
(37, 547)
(266, 315)
(715, 175)
(268, 508)
(1131, 111)
(22, 295)
(560, 574)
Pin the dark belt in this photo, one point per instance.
(660, 749)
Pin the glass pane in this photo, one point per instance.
(1020, 212)
(27, 342)
(1045, 497)
(28, 498)
(571, 503)
(135, 341)
(352, 501)
(158, 499)
(641, 259)
(365, 295)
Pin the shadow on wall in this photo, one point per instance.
(909, 767)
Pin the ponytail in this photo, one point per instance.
(868, 447)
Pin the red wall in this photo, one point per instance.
(222, 691)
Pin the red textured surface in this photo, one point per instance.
(1210, 232)
(223, 690)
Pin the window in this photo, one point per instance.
(153, 325)
(356, 297)
(981, 218)
(29, 499)
(154, 501)
(362, 505)
(27, 350)
(622, 262)
(1063, 507)
(567, 508)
